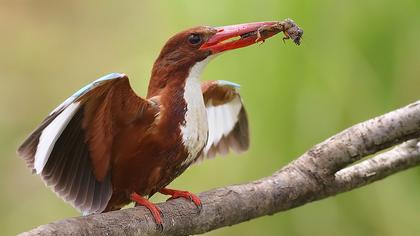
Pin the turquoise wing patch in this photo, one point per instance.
(228, 83)
(88, 88)
(96, 83)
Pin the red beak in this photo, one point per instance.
(248, 34)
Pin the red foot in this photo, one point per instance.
(184, 194)
(156, 213)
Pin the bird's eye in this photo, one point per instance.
(194, 39)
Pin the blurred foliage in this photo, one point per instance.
(358, 59)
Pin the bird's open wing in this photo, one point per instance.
(71, 149)
(227, 119)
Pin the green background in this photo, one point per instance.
(358, 59)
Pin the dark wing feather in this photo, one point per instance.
(227, 119)
(77, 139)
(69, 166)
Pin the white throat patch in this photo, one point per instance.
(194, 131)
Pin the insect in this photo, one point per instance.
(288, 27)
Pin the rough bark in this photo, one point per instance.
(324, 170)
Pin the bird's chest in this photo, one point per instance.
(194, 128)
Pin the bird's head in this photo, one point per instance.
(196, 44)
(187, 48)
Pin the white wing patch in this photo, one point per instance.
(50, 135)
(221, 121)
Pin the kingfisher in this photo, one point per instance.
(105, 147)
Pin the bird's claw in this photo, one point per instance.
(159, 227)
(184, 194)
(154, 210)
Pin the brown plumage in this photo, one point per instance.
(105, 146)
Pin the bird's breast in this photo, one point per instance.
(194, 129)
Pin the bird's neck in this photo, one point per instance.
(179, 93)
(169, 76)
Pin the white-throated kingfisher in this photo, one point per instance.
(105, 147)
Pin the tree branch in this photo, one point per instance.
(321, 172)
